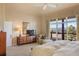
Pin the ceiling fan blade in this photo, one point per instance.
(37, 4)
(52, 5)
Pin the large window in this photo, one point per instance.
(63, 29)
(53, 29)
(56, 29)
(59, 29)
(70, 28)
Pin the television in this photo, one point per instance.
(30, 32)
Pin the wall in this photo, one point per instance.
(18, 13)
(44, 24)
(77, 27)
(2, 16)
(18, 18)
(34, 23)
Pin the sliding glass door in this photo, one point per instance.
(64, 29)
(53, 29)
(59, 29)
(71, 29)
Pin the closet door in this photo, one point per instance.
(2, 43)
(8, 30)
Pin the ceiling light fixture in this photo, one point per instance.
(48, 5)
(44, 6)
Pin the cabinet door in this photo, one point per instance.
(2, 43)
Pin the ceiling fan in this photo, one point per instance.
(49, 5)
(46, 5)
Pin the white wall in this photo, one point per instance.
(2, 16)
(32, 24)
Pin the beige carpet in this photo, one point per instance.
(22, 50)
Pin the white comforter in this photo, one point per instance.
(43, 51)
(48, 49)
(57, 48)
(71, 49)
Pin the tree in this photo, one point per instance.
(70, 31)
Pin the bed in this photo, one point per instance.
(71, 49)
(49, 48)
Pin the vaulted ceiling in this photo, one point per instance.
(33, 9)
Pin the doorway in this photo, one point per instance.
(8, 30)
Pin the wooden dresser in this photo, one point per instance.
(2, 43)
(25, 39)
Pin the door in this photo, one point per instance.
(8, 30)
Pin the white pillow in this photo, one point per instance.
(43, 51)
(63, 52)
(67, 52)
(47, 41)
(62, 42)
(73, 44)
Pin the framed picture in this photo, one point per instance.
(24, 25)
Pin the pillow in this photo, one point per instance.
(71, 51)
(62, 42)
(43, 50)
(62, 52)
(47, 41)
(73, 44)
(57, 46)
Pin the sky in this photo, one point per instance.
(72, 21)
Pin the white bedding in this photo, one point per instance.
(71, 49)
(43, 51)
(67, 52)
(48, 48)
(57, 48)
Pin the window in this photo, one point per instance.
(53, 29)
(56, 29)
(71, 28)
(59, 29)
(63, 29)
